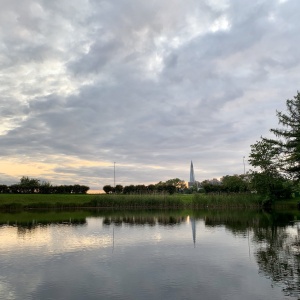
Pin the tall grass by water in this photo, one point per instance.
(160, 201)
(241, 200)
(43, 201)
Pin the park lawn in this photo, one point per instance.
(44, 200)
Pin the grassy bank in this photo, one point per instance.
(58, 201)
(47, 201)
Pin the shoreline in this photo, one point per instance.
(151, 201)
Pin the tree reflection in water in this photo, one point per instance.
(167, 220)
(276, 239)
(278, 256)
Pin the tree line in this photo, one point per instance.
(34, 186)
(170, 186)
(227, 184)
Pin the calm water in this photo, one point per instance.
(150, 255)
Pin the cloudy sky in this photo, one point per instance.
(150, 85)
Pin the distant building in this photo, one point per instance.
(193, 183)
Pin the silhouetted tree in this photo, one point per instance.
(119, 188)
(107, 189)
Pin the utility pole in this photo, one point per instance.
(244, 165)
(114, 174)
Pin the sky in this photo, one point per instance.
(89, 87)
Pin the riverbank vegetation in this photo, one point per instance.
(153, 201)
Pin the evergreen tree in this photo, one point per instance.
(289, 138)
(279, 158)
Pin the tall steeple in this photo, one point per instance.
(193, 183)
(192, 174)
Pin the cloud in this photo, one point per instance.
(143, 84)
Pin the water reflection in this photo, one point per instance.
(272, 238)
(136, 220)
(278, 255)
(193, 222)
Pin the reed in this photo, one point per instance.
(142, 201)
(227, 200)
(150, 201)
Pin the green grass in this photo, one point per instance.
(59, 201)
(158, 201)
(26, 201)
(227, 201)
(142, 201)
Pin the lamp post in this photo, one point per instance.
(244, 165)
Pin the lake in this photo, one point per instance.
(150, 255)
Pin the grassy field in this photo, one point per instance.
(27, 201)
(59, 201)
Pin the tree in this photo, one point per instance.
(28, 185)
(279, 158)
(289, 137)
(151, 188)
(107, 189)
(119, 188)
(276, 187)
(4, 188)
(26, 181)
(266, 155)
(211, 186)
(140, 189)
(234, 183)
(45, 187)
(171, 189)
(178, 183)
(79, 189)
(129, 189)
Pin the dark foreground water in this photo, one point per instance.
(150, 255)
